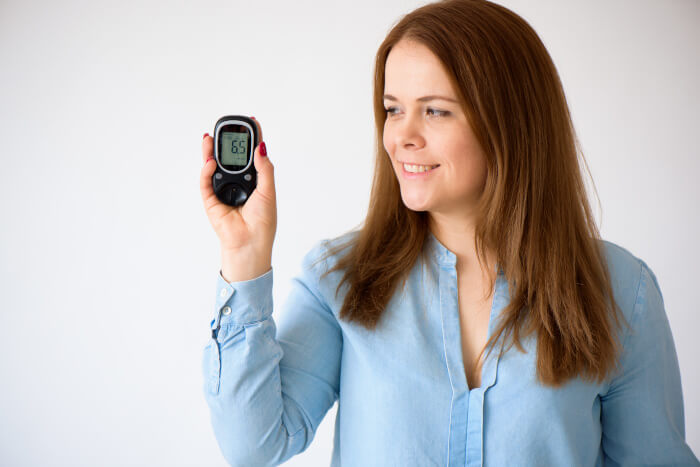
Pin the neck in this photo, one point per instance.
(456, 233)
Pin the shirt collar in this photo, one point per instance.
(444, 256)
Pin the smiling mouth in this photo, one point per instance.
(413, 168)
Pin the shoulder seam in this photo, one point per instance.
(637, 305)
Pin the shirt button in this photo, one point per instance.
(224, 293)
(227, 310)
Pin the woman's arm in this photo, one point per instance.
(267, 394)
(642, 412)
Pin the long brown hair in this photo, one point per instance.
(533, 213)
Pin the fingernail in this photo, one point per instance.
(253, 118)
(263, 149)
(205, 135)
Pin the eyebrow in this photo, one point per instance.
(423, 99)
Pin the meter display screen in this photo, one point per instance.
(234, 148)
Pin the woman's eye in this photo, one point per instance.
(439, 113)
(430, 111)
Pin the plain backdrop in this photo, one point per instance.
(108, 263)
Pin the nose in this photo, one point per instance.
(409, 133)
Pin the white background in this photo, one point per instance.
(108, 263)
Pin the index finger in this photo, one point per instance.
(207, 147)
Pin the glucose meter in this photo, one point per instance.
(235, 140)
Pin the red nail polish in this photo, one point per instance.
(205, 135)
(252, 118)
(263, 149)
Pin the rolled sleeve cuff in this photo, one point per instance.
(243, 302)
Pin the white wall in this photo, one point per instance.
(108, 262)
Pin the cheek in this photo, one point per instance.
(467, 163)
(474, 169)
(386, 140)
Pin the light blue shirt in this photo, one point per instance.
(403, 398)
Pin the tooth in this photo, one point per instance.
(418, 168)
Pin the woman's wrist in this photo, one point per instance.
(239, 266)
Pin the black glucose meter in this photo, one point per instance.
(235, 140)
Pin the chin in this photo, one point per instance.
(415, 203)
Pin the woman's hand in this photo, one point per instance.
(246, 232)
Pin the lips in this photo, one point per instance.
(417, 171)
(416, 168)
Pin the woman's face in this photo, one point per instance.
(439, 164)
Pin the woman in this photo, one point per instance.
(478, 237)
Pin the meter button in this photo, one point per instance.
(229, 193)
(240, 197)
(247, 177)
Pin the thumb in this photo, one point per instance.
(265, 172)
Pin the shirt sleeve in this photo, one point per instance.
(642, 411)
(267, 393)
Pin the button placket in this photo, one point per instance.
(215, 366)
(225, 311)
